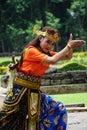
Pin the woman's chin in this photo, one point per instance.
(46, 51)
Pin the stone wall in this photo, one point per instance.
(54, 82)
(64, 82)
(70, 77)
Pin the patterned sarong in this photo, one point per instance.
(53, 115)
(31, 109)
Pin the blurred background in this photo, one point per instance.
(18, 17)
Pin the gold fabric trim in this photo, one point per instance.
(33, 109)
(33, 103)
(27, 84)
(16, 102)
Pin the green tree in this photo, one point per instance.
(19, 16)
(78, 19)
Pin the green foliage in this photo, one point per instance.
(57, 1)
(29, 30)
(3, 70)
(77, 19)
(5, 63)
(4, 67)
(78, 8)
(19, 16)
(16, 36)
(80, 54)
(72, 67)
(20, 5)
(78, 57)
(52, 20)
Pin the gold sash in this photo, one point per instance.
(27, 84)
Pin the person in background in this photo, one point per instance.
(44, 113)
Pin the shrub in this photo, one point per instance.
(3, 70)
(5, 63)
(80, 54)
(71, 67)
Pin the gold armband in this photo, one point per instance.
(69, 46)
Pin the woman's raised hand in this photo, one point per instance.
(75, 43)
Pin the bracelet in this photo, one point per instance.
(69, 46)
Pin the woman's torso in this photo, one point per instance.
(33, 62)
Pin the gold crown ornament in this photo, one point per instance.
(54, 38)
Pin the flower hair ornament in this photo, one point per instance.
(54, 38)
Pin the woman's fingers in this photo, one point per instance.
(77, 43)
(71, 37)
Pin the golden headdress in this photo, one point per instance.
(54, 38)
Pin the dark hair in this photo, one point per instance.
(50, 30)
(35, 42)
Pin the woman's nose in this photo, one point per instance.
(49, 46)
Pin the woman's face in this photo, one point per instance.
(46, 45)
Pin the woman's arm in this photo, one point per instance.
(72, 44)
(68, 56)
(57, 57)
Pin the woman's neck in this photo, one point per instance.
(40, 49)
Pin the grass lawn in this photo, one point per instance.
(72, 98)
(2, 59)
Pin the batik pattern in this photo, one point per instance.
(53, 115)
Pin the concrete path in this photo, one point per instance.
(77, 121)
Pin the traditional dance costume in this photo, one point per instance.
(40, 111)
